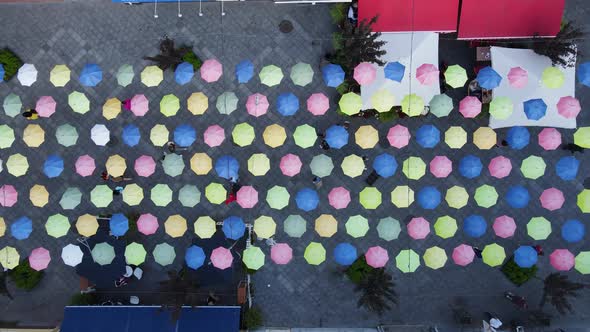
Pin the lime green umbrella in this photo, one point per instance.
(169, 105)
(215, 193)
(227, 102)
(6, 136)
(435, 257)
(253, 258)
(152, 76)
(60, 75)
(12, 105)
(350, 103)
(407, 261)
(445, 227)
(552, 78)
(57, 225)
(533, 167)
(161, 194)
(189, 195)
(71, 198)
(164, 254)
(455, 137)
(159, 135)
(357, 226)
(301, 74)
(315, 253)
(501, 108)
(455, 76)
(125, 75)
(173, 164)
(493, 255)
(414, 168)
(402, 196)
(133, 194)
(271, 75)
(295, 225)
(103, 253)
(583, 262)
(584, 200)
(412, 105)
(79, 102)
(382, 100)
(305, 136)
(101, 196)
(388, 228)
(582, 137)
(441, 105)
(486, 196)
(17, 165)
(277, 197)
(66, 135)
(243, 134)
(456, 197)
(135, 253)
(538, 228)
(370, 198)
(321, 165)
(258, 164)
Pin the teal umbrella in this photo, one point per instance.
(103, 253)
(71, 198)
(295, 225)
(301, 74)
(125, 75)
(164, 254)
(189, 195)
(173, 164)
(66, 135)
(441, 105)
(12, 105)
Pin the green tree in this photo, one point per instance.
(169, 56)
(178, 291)
(562, 49)
(25, 277)
(11, 63)
(558, 290)
(377, 292)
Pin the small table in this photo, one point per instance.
(483, 54)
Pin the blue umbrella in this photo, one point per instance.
(287, 104)
(131, 135)
(184, 73)
(53, 166)
(244, 71)
(307, 199)
(573, 231)
(185, 135)
(194, 257)
(535, 109)
(567, 168)
(333, 75)
(428, 136)
(227, 167)
(21, 228)
(488, 78)
(1, 73)
(517, 197)
(345, 254)
(233, 227)
(91, 75)
(474, 226)
(119, 224)
(518, 137)
(525, 256)
(394, 71)
(584, 73)
(470, 166)
(429, 197)
(336, 136)
(385, 165)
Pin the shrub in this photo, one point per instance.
(252, 318)
(388, 116)
(338, 12)
(25, 277)
(193, 59)
(343, 88)
(83, 299)
(358, 270)
(518, 275)
(11, 63)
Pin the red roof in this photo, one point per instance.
(396, 15)
(510, 18)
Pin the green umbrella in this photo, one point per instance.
(101, 196)
(388, 228)
(301, 74)
(71, 198)
(271, 75)
(258, 164)
(103, 253)
(135, 253)
(125, 75)
(583, 262)
(189, 195)
(456, 197)
(295, 225)
(12, 105)
(402, 196)
(538, 228)
(493, 255)
(552, 78)
(382, 100)
(435, 257)
(321, 165)
(6, 136)
(79, 102)
(164, 254)
(445, 227)
(413, 105)
(66, 135)
(169, 105)
(243, 134)
(533, 167)
(584, 200)
(315, 253)
(350, 103)
(486, 196)
(57, 225)
(173, 164)
(501, 108)
(357, 226)
(370, 198)
(582, 137)
(253, 258)
(277, 197)
(441, 105)
(227, 102)
(305, 136)
(414, 168)
(407, 261)
(215, 193)
(455, 76)
(161, 194)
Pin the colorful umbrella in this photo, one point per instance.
(382, 100)
(318, 104)
(315, 253)
(402, 196)
(227, 102)
(131, 135)
(552, 78)
(221, 258)
(12, 105)
(161, 194)
(281, 253)
(159, 135)
(290, 165)
(271, 75)
(9, 258)
(205, 227)
(145, 166)
(549, 138)
(70, 199)
(366, 137)
(135, 253)
(321, 165)
(336, 136)
(385, 165)
(538, 228)
(364, 73)
(295, 225)
(233, 227)
(388, 228)
(100, 135)
(427, 74)
(244, 71)
(488, 78)
(307, 199)
(8, 195)
(57, 225)
(584, 75)
(277, 197)
(455, 76)
(197, 103)
(441, 105)
(189, 195)
(287, 104)
(257, 104)
(333, 75)
(194, 257)
(501, 108)
(66, 135)
(435, 257)
(567, 168)
(45, 106)
(350, 103)
(53, 166)
(301, 74)
(517, 197)
(484, 138)
(357, 226)
(87, 225)
(376, 257)
(568, 107)
(407, 261)
(185, 135)
(211, 70)
(552, 199)
(125, 75)
(265, 227)
(463, 255)
(582, 137)
(147, 224)
(71, 255)
(418, 228)
(101, 196)
(116, 165)
(33, 135)
(27, 74)
(500, 167)
(326, 225)
(132, 194)
(215, 193)
(17, 165)
(414, 168)
(253, 258)
(152, 76)
(118, 224)
(429, 197)
(59, 75)
(79, 102)
(504, 226)
(535, 109)
(21, 228)
(274, 135)
(184, 72)
(164, 254)
(176, 226)
(258, 164)
(90, 75)
(412, 105)
(562, 259)
(525, 256)
(518, 77)
(573, 231)
(173, 164)
(247, 197)
(6, 136)
(493, 255)
(169, 105)
(103, 254)
(243, 134)
(305, 136)
(470, 107)
(353, 165)
(441, 166)
(470, 166)
(474, 226)
(39, 195)
(583, 262)
(455, 137)
(398, 136)
(486, 196)
(445, 227)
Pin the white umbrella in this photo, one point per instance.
(71, 255)
(100, 134)
(27, 74)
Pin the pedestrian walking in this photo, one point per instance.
(346, 125)
(477, 252)
(324, 145)
(118, 190)
(365, 159)
(501, 143)
(317, 181)
(104, 175)
(571, 147)
(126, 104)
(539, 250)
(519, 301)
(31, 114)
(230, 198)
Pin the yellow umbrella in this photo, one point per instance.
(152, 76)
(9, 258)
(485, 138)
(402, 196)
(215, 193)
(111, 108)
(414, 168)
(2, 227)
(132, 194)
(34, 135)
(265, 227)
(353, 165)
(326, 225)
(39, 195)
(258, 164)
(17, 165)
(116, 165)
(456, 197)
(197, 103)
(201, 163)
(366, 137)
(59, 75)
(274, 135)
(205, 227)
(87, 225)
(382, 100)
(159, 135)
(175, 225)
(455, 137)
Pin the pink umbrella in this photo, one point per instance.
(518, 77)
(365, 73)
(552, 199)
(214, 136)
(247, 197)
(39, 259)
(45, 106)
(500, 167)
(211, 70)
(549, 138)
(504, 226)
(318, 104)
(427, 74)
(145, 166)
(398, 136)
(441, 166)
(470, 107)
(147, 224)
(463, 255)
(418, 228)
(85, 165)
(568, 107)
(281, 253)
(339, 198)
(139, 105)
(290, 165)
(257, 104)
(8, 195)
(221, 258)
(376, 257)
(562, 259)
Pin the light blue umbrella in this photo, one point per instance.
(474, 226)
(428, 136)
(21, 228)
(287, 104)
(584, 73)
(131, 135)
(385, 165)
(518, 137)
(429, 197)
(525, 256)
(488, 78)
(517, 197)
(185, 135)
(470, 166)
(91, 75)
(1, 73)
(119, 224)
(53, 166)
(333, 75)
(184, 73)
(194, 257)
(233, 227)
(307, 199)
(535, 109)
(336, 136)
(244, 71)
(227, 167)
(567, 168)
(573, 231)
(394, 71)
(345, 254)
